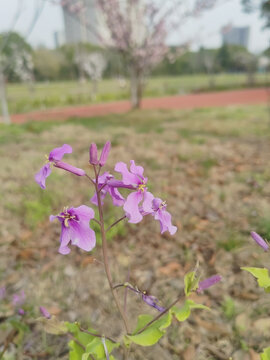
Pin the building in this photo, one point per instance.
(59, 38)
(80, 20)
(235, 35)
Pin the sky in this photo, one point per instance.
(203, 31)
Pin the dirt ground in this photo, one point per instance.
(192, 101)
(212, 167)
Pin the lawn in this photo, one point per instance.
(22, 98)
(211, 165)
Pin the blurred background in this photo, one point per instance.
(181, 87)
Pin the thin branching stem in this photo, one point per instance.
(180, 296)
(105, 253)
(97, 335)
(116, 222)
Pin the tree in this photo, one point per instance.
(138, 29)
(262, 5)
(93, 65)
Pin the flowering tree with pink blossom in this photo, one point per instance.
(138, 29)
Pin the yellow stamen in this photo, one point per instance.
(141, 187)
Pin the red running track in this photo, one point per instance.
(191, 101)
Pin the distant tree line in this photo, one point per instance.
(60, 64)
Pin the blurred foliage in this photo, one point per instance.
(60, 63)
(263, 5)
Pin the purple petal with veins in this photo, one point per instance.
(76, 229)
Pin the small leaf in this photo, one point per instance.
(53, 325)
(266, 354)
(194, 305)
(148, 337)
(95, 347)
(153, 333)
(142, 321)
(76, 351)
(183, 313)
(262, 276)
(191, 282)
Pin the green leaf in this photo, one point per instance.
(142, 321)
(184, 312)
(96, 348)
(76, 351)
(153, 333)
(262, 276)
(148, 337)
(53, 325)
(266, 354)
(191, 282)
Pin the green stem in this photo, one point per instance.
(105, 253)
(180, 296)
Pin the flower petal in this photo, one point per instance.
(83, 212)
(82, 236)
(57, 153)
(117, 198)
(64, 237)
(147, 202)
(136, 170)
(131, 207)
(41, 176)
(165, 221)
(127, 177)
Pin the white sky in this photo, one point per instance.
(201, 31)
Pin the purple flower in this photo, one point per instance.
(134, 180)
(54, 159)
(104, 154)
(2, 293)
(259, 240)
(117, 198)
(148, 299)
(18, 299)
(75, 228)
(21, 312)
(152, 301)
(44, 312)
(205, 284)
(163, 216)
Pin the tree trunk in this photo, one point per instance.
(135, 88)
(94, 89)
(5, 113)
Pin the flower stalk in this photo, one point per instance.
(105, 253)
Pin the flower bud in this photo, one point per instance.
(70, 168)
(205, 284)
(259, 240)
(93, 154)
(105, 153)
(44, 312)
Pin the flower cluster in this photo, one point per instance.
(139, 202)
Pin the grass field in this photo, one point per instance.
(212, 166)
(46, 95)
